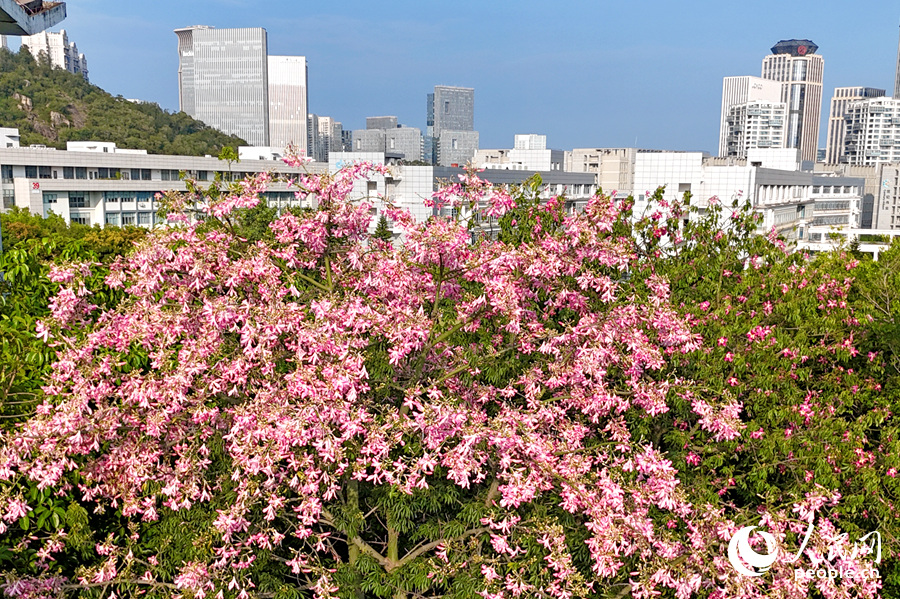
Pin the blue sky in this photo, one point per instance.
(586, 74)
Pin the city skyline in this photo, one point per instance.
(587, 75)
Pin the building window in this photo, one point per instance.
(112, 219)
(44, 172)
(7, 173)
(77, 201)
(81, 219)
(68, 172)
(31, 172)
(127, 219)
(143, 218)
(9, 198)
(50, 198)
(80, 172)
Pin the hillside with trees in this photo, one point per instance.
(51, 106)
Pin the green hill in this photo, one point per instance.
(51, 106)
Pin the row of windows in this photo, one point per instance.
(134, 174)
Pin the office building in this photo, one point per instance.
(223, 80)
(61, 53)
(795, 64)
(288, 103)
(872, 132)
(385, 135)
(740, 90)
(450, 136)
(325, 136)
(837, 124)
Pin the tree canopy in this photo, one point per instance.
(51, 106)
(591, 405)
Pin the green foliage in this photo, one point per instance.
(64, 107)
(382, 230)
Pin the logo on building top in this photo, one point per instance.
(801, 50)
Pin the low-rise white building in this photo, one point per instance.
(99, 184)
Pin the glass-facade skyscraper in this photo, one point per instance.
(223, 80)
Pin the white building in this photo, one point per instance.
(9, 138)
(754, 124)
(223, 80)
(62, 53)
(288, 102)
(872, 132)
(740, 90)
(795, 64)
(529, 153)
(837, 124)
(99, 184)
(803, 207)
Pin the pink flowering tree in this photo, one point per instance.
(318, 413)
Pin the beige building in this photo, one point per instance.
(837, 125)
(795, 64)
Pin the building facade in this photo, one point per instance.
(385, 135)
(837, 124)
(61, 53)
(872, 132)
(529, 153)
(754, 124)
(288, 102)
(795, 64)
(223, 80)
(450, 120)
(740, 90)
(96, 183)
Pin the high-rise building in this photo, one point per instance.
(796, 65)
(3, 43)
(223, 80)
(450, 115)
(385, 135)
(325, 136)
(61, 53)
(288, 104)
(873, 132)
(837, 125)
(752, 125)
(739, 90)
(897, 75)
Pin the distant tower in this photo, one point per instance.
(288, 105)
(223, 80)
(796, 65)
(450, 136)
(897, 75)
